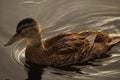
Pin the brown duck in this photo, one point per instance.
(66, 48)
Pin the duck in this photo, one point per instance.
(65, 48)
(62, 49)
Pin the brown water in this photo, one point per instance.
(58, 16)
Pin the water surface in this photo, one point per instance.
(55, 17)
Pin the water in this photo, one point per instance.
(60, 16)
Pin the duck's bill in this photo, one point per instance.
(15, 38)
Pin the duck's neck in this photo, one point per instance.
(35, 51)
(35, 42)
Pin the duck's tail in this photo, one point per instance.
(115, 39)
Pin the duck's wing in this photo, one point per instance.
(69, 46)
(66, 43)
(70, 41)
(70, 49)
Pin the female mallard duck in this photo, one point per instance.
(62, 49)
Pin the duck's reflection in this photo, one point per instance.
(34, 71)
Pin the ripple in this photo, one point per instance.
(18, 53)
(34, 2)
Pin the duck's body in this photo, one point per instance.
(67, 48)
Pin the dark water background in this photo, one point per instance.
(58, 16)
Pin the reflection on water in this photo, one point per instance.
(103, 21)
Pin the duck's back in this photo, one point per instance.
(98, 37)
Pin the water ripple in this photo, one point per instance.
(34, 2)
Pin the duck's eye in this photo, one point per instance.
(23, 27)
(18, 31)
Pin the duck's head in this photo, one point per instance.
(26, 28)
